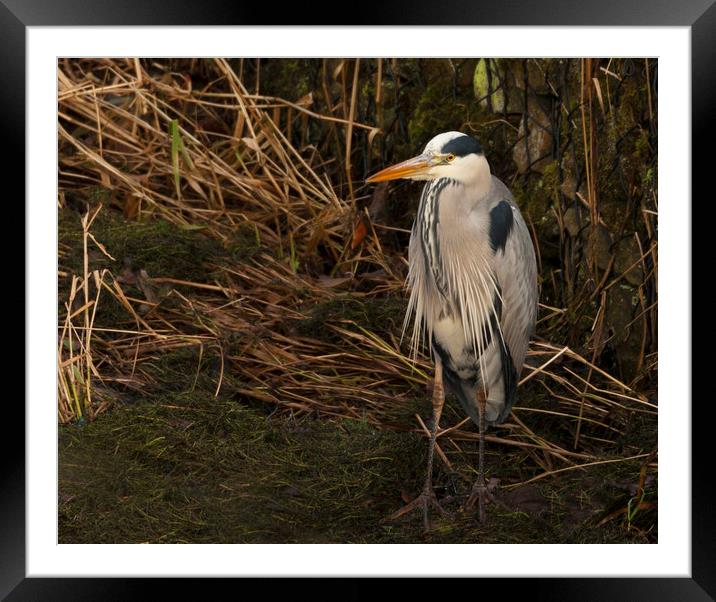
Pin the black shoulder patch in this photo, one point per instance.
(462, 146)
(501, 222)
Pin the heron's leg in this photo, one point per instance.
(438, 403)
(427, 496)
(479, 489)
(481, 454)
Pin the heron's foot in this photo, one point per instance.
(481, 493)
(423, 502)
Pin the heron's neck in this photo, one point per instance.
(474, 176)
(479, 185)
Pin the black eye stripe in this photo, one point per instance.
(461, 146)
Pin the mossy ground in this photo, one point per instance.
(177, 464)
(189, 468)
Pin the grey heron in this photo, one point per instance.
(473, 289)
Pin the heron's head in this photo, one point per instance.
(449, 155)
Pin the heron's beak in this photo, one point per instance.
(407, 169)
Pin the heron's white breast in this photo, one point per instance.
(449, 334)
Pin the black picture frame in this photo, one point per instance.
(700, 15)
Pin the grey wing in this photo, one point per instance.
(515, 267)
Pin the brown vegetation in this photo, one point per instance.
(213, 215)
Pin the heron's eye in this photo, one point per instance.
(450, 158)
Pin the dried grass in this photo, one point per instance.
(144, 134)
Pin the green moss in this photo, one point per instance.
(186, 467)
(439, 101)
(190, 468)
(245, 242)
(434, 113)
(160, 248)
(377, 314)
(157, 247)
(288, 78)
(535, 193)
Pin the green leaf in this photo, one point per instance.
(176, 143)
